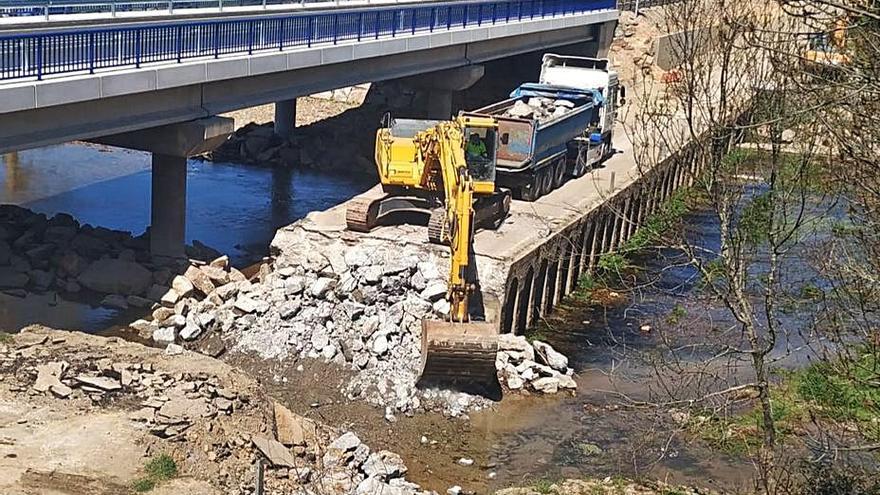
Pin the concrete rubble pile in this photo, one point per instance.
(187, 306)
(536, 366)
(41, 254)
(356, 304)
(539, 108)
(219, 422)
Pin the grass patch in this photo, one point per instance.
(843, 392)
(5, 338)
(158, 469)
(677, 314)
(543, 486)
(143, 485)
(847, 391)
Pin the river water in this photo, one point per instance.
(232, 208)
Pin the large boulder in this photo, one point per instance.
(550, 356)
(116, 277)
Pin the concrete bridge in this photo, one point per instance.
(157, 86)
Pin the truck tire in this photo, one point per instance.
(531, 191)
(559, 173)
(547, 182)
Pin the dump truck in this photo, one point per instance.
(557, 128)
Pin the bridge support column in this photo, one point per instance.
(439, 86)
(168, 206)
(285, 118)
(170, 146)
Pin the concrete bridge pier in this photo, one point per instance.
(285, 118)
(440, 86)
(171, 145)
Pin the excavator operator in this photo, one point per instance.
(476, 148)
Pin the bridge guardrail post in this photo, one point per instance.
(91, 52)
(335, 28)
(216, 40)
(281, 30)
(448, 17)
(137, 48)
(251, 28)
(39, 58)
(378, 17)
(433, 18)
(309, 30)
(360, 25)
(179, 35)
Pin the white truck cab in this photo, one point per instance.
(587, 73)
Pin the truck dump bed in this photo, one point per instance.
(537, 122)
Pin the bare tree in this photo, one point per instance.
(738, 75)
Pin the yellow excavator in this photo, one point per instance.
(447, 170)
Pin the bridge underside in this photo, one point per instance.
(75, 108)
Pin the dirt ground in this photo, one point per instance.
(309, 109)
(94, 441)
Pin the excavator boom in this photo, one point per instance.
(457, 350)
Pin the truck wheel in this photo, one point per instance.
(580, 164)
(532, 190)
(547, 182)
(559, 173)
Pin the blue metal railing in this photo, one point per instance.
(88, 50)
(48, 8)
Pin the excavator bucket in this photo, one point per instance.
(460, 355)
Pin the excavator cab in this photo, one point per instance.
(480, 146)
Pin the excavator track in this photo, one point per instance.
(361, 214)
(463, 353)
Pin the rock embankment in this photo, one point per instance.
(213, 420)
(343, 142)
(41, 254)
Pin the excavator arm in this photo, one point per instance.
(458, 350)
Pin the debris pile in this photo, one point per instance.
(187, 303)
(358, 305)
(535, 365)
(41, 254)
(211, 418)
(539, 108)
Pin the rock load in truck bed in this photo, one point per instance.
(539, 108)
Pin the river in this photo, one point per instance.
(232, 208)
